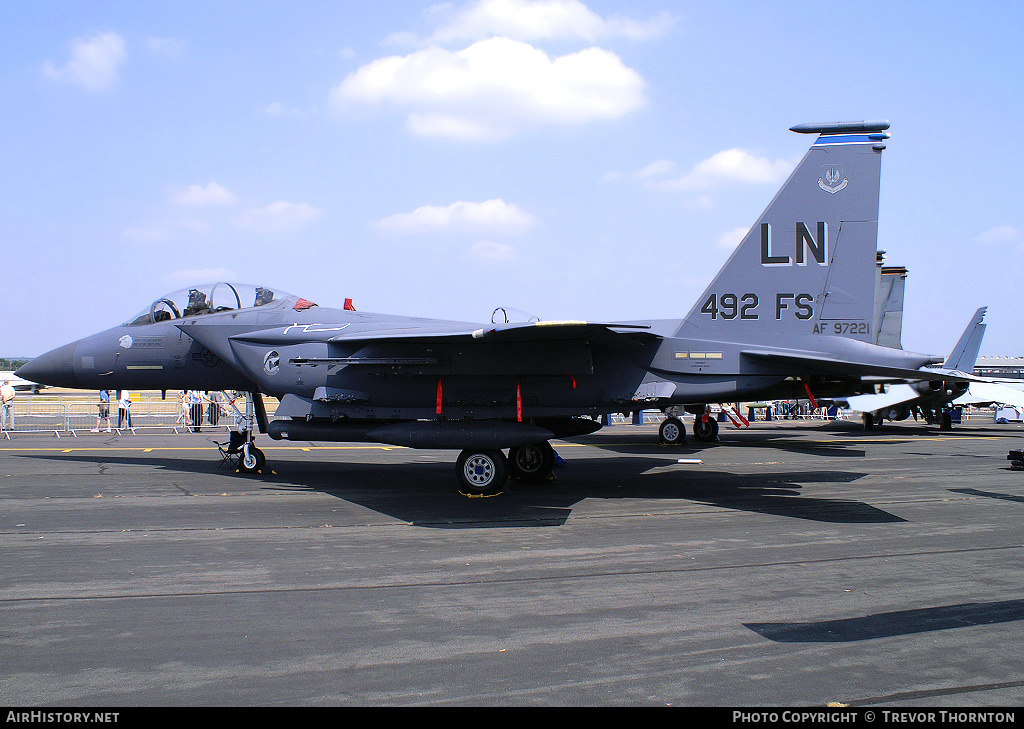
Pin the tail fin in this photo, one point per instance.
(889, 286)
(965, 353)
(808, 265)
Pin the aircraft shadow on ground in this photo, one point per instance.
(990, 495)
(424, 493)
(891, 624)
(644, 446)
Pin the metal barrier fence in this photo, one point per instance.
(75, 414)
(72, 415)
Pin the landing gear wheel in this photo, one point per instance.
(869, 421)
(705, 431)
(481, 473)
(531, 462)
(252, 459)
(947, 421)
(672, 431)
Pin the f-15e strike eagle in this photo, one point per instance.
(790, 314)
(933, 397)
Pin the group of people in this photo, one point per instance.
(193, 402)
(124, 410)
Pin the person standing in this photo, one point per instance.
(124, 410)
(195, 399)
(7, 406)
(104, 411)
(216, 398)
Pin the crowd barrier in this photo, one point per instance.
(74, 415)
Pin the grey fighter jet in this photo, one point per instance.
(791, 313)
(932, 398)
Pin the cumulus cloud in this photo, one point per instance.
(93, 62)
(998, 234)
(491, 217)
(730, 165)
(731, 238)
(494, 88)
(197, 195)
(277, 217)
(535, 20)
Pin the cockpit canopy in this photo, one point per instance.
(206, 299)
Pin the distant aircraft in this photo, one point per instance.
(18, 383)
(792, 312)
(933, 397)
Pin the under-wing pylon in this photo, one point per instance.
(793, 310)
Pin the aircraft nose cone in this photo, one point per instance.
(56, 368)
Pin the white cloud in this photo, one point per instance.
(731, 238)
(277, 217)
(491, 216)
(493, 252)
(998, 234)
(730, 165)
(494, 88)
(93, 62)
(658, 168)
(535, 20)
(197, 195)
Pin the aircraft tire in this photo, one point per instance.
(705, 432)
(252, 459)
(672, 431)
(946, 422)
(532, 462)
(869, 421)
(481, 473)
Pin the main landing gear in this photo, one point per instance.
(485, 472)
(673, 432)
(705, 428)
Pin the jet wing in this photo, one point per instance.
(519, 332)
(984, 393)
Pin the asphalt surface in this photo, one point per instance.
(795, 564)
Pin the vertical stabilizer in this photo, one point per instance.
(891, 284)
(807, 266)
(965, 353)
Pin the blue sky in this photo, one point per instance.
(571, 160)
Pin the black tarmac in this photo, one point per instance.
(794, 564)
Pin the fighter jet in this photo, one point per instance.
(792, 312)
(932, 398)
(19, 383)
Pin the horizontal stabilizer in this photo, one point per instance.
(816, 364)
(872, 402)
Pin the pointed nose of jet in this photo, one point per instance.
(55, 368)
